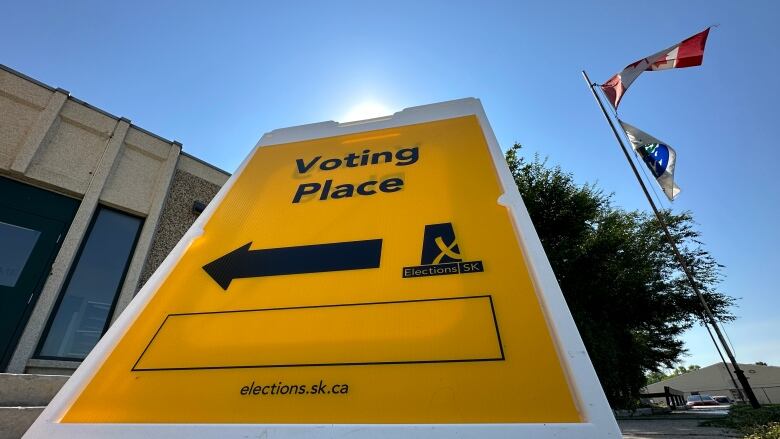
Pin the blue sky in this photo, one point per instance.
(216, 76)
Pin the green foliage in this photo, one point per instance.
(768, 431)
(656, 376)
(630, 300)
(762, 423)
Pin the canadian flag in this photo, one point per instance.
(688, 53)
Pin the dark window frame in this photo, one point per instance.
(76, 259)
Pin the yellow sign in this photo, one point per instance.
(370, 277)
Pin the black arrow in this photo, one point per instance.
(337, 256)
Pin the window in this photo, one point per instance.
(82, 313)
(18, 243)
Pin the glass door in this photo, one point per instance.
(28, 243)
(32, 225)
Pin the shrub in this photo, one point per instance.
(768, 431)
(763, 423)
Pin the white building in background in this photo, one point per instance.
(715, 380)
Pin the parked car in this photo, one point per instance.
(701, 400)
(723, 399)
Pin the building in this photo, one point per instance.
(715, 380)
(91, 204)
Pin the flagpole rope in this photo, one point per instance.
(723, 328)
(728, 338)
(726, 366)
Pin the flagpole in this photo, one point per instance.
(740, 375)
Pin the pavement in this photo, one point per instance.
(672, 429)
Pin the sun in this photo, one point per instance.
(366, 110)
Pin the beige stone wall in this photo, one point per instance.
(177, 216)
(51, 140)
(21, 102)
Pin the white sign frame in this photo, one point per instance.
(598, 420)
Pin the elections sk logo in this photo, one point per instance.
(441, 254)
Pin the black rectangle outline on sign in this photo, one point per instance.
(263, 366)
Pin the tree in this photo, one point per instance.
(628, 297)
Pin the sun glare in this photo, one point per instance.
(366, 110)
